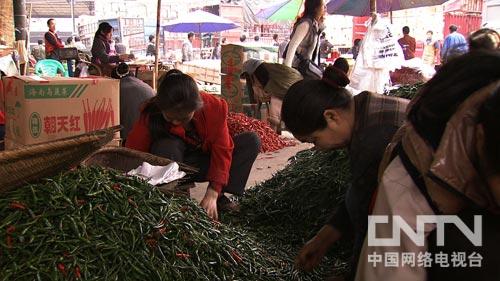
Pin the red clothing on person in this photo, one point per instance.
(210, 123)
(52, 42)
(2, 118)
(409, 45)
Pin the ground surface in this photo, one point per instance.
(263, 168)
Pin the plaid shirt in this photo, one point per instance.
(377, 118)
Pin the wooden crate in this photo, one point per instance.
(147, 76)
(203, 74)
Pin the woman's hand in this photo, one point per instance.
(209, 203)
(315, 249)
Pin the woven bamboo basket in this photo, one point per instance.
(30, 163)
(125, 159)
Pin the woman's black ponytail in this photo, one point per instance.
(306, 100)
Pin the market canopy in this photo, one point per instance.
(59, 8)
(200, 21)
(362, 7)
(283, 11)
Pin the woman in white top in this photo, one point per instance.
(306, 30)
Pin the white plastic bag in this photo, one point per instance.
(379, 54)
(84, 69)
(158, 174)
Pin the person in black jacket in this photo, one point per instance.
(151, 50)
(101, 49)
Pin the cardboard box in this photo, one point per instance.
(233, 57)
(46, 109)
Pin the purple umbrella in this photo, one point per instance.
(361, 8)
(200, 21)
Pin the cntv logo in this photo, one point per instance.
(418, 237)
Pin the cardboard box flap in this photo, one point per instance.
(38, 79)
(28, 79)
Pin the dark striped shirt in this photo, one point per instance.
(377, 118)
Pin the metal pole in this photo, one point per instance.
(373, 11)
(72, 6)
(20, 19)
(158, 19)
(20, 33)
(28, 38)
(373, 6)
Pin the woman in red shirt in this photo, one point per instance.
(188, 126)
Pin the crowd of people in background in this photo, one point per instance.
(307, 31)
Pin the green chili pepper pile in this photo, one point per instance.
(288, 209)
(406, 91)
(95, 224)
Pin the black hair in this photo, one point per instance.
(48, 21)
(430, 31)
(262, 74)
(177, 92)
(77, 39)
(223, 40)
(120, 71)
(311, 10)
(190, 35)
(488, 117)
(275, 36)
(256, 38)
(243, 37)
(104, 27)
(69, 40)
(453, 83)
(306, 100)
(117, 39)
(484, 39)
(342, 64)
(323, 35)
(357, 41)
(453, 28)
(40, 42)
(151, 37)
(406, 30)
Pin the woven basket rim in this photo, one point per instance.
(99, 137)
(148, 157)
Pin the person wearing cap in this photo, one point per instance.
(133, 94)
(101, 49)
(270, 82)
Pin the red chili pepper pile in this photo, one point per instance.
(239, 123)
